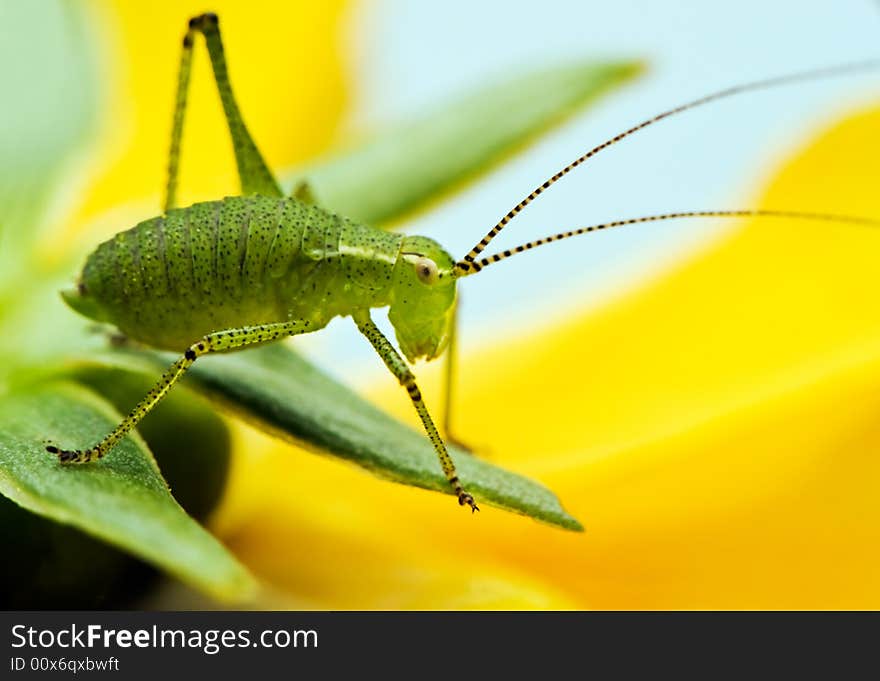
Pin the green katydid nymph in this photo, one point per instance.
(260, 267)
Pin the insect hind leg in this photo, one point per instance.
(254, 174)
(220, 341)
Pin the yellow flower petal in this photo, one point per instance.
(317, 534)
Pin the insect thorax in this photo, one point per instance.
(236, 262)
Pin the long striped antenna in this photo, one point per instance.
(464, 266)
(481, 264)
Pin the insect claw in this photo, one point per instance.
(465, 498)
(67, 455)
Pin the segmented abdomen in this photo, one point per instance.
(224, 264)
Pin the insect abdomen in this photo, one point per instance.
(172, 279)
(226, 264)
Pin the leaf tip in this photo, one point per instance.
(563, 520)
(243, 588)
(573, 524)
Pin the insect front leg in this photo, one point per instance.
(219, 341)
(254, 174)
(404, 375)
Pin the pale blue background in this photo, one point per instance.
(411, 54)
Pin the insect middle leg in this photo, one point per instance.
(219, 341)
(404, 375)
(450, 366)
(254, 174)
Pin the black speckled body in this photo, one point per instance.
(237, 262)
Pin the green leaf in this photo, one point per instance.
(421, 160)
(280, 392)
(122, 499)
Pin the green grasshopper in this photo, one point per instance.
(261, 267)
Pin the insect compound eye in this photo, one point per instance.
(426, 270)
